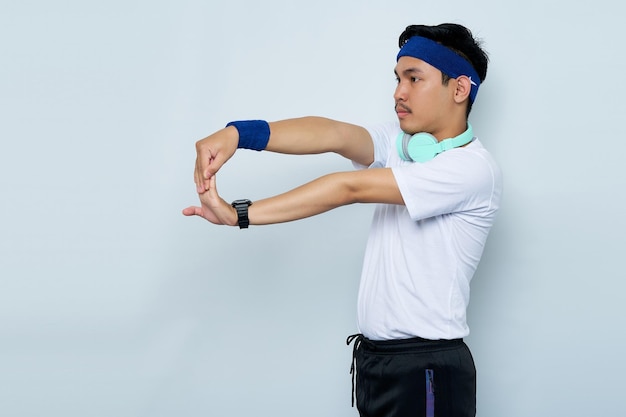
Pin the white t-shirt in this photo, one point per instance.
(420, 258)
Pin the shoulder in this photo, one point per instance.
(481, 160)
(383, 137)
(383, 131)
(460, 173)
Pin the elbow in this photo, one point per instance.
(369, 186)
(350, 191)
(340, 190)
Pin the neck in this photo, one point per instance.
(450, 130)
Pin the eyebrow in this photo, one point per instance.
(409, 71)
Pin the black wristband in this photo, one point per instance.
(242, 212)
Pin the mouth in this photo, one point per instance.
(402, 110)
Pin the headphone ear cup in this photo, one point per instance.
(401, 145)
(422, 147)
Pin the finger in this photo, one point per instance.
(215, 163)
(211, 170)
(192, 211)
(213, 187)
(205, 175)
(203, 160)
(196, 177)
(201, 182)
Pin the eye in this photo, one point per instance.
(414, 79)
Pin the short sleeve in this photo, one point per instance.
(458, 180)
(382, 136)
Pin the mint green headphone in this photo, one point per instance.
(422, 147)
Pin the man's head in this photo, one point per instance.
(439, 71)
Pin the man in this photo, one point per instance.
(438, 191)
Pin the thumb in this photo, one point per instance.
(213, 187)
(215, 163)
(192, 211)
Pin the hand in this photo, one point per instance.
(213, 152)
(213, 208)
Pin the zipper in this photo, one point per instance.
(430, 393)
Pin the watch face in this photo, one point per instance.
(242, 201)
(242, 212)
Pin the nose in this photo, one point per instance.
(400, 93)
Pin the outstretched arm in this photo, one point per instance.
(307, 135)
(316, 197)
(313, 135)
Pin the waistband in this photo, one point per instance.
(413, 344)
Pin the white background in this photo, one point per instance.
(114, 304)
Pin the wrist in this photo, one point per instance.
(241, 208)
(232, 134)
(253, 134)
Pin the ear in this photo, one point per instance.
(463, 87)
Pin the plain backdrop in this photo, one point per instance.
(114, 304)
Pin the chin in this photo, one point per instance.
(409, 128)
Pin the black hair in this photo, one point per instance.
(456, 37)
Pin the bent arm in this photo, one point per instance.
(307, 135)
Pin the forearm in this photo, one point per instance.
(326, 193)
(315, 197)
(313, 135)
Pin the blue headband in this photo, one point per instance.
(442, 58)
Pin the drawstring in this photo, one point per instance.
(357, 338)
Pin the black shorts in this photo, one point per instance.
(413, 377)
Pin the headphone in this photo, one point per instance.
(422, 147)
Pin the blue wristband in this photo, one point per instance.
(253, 134)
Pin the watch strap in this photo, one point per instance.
(242, 212)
